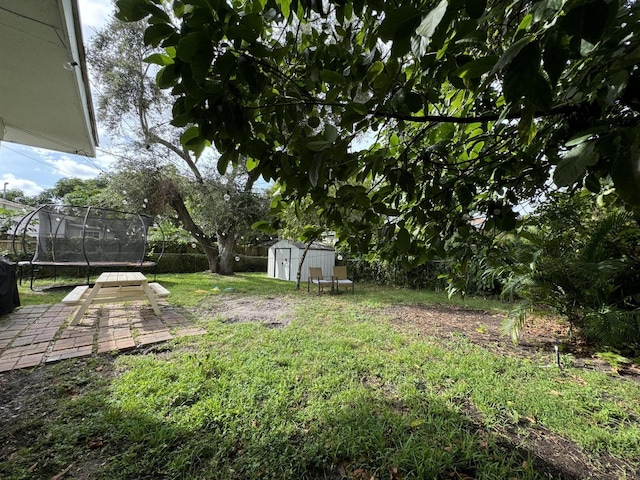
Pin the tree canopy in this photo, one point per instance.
(414, 115)
(155, 173)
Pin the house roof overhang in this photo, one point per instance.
(45, 99)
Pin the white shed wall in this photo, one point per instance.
(324, 259)
(284, 257)
(271, 262)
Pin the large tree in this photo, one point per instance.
(472, 107)
(157, 174)
(76, 191)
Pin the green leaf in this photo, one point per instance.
(178, 8)
(154, 34)
(374, 70)
(475, 8)
(252, 27)
(189, 134)
(399, 23)
(167, 76)
(625, 173)
(592, 183)
(476, 68)
(252, 163)
(413, 102)
(319, 145)
(384, 209)
(331, 77)
(360, 108)
(262, 225)
(526, 22)
(398, 98)
(131, 10)
(223, 163)
(159, 59)
(585, 135)
(350, 117)
(313, 122)
(512, 52)
(404, 240)
(574, 165)
(188, 46)
(284, 7)
(158, 15)
(428, 26)
(251, 74)
(330, 133)
(539, 93)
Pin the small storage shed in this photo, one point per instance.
(285, 255)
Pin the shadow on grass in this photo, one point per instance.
(362, 432)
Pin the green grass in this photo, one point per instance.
(35, 297)
(338, 391)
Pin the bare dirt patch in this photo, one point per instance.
(537, 340)
(270, 311)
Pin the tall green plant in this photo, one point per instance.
(585, 267)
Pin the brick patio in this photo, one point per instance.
(41, 334)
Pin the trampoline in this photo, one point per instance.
(82, 237)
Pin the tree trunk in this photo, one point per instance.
(212, 256)
(176, 201)
(226, 245)
(299, 272)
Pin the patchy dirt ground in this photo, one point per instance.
(560, 457)
(25, 398)
(271, 311)
(537, 340)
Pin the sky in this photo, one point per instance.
(33, 170)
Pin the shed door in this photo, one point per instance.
(282, 264)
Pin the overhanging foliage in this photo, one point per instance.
(471, 107)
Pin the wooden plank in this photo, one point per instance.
(159, 290)
(75, 295)
(118, 300)
(113, 287)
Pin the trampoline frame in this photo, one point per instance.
(20, 237)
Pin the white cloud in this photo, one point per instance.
(70, 168)
(29, 187)
(94, 14)
(105, 160)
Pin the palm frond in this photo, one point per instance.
(593, 250)
(514, 322)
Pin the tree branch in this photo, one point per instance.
(489, 117)
(181, 153)
(559, 110)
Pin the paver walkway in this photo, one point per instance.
(41, 334)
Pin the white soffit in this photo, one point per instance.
(42, 103)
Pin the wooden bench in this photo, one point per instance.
(159, 290)
(75, 295)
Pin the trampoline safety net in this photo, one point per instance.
(83, 235)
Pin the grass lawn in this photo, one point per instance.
(340, 392)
